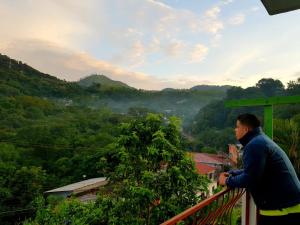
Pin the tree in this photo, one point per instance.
(153, 169)
(287, 135)
(293, 87)
(153, 181)
(270, 87)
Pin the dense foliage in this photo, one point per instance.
(45, 145)
(153, 180)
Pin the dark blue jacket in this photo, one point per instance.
(268, 173)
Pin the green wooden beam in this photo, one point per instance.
(263, 101)
(268, 107)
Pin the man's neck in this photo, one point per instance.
(249, 135)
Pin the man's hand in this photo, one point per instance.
(222, 178)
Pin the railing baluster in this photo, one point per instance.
(215, 210)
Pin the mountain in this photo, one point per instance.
(211, 87)
(96, 79)
(98, 91)
(17, 78)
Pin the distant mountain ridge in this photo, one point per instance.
(211, 87)
(102, 80)
(96, 91)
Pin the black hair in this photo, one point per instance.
(249, 120)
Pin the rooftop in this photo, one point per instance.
(81, 186)
(209, 158)
(204, 169)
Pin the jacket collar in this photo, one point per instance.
(250, 135)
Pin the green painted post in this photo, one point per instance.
(267, 103)
(268, 120)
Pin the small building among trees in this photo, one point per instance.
(84, 190)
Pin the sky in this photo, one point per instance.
(153, 44)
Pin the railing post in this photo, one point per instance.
(249, 210)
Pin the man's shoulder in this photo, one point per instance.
(258, 143)
(260, 139)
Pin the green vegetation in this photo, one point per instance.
(44, 145)
(54, 132)
(97, 81)
(153, 180)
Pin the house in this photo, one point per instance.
(216, 160)
(84, 190)
(211, 165)
(207, 170)
(210, 172)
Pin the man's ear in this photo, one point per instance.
(247, 129)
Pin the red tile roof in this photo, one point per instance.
(209, 158)
(204, 169)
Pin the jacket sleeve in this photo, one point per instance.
(235, 172)
(254, 163)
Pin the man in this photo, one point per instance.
(267, 174)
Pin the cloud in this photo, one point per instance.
(69, 65)
(133, 33)
(254, 8)
(42, 20)
(213, 12)
(296, 75)
(226, 2)
(71, 39)
(198, 54)
(215, 41)
(208, 23)
(137, 54)
(239, 61)
(154, 45)
(66, 64)
(237, 19)
(174, 48)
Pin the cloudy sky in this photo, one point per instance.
(153, 44)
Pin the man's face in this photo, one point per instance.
(240, 130)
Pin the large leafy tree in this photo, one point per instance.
(270, 87)
(153, 180)
(154, 169)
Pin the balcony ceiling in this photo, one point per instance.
(280, 6)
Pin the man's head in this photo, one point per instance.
(245, 123)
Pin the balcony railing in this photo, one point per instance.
(216, 209)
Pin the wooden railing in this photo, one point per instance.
(215, 210)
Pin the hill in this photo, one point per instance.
(211, 87)
(102, 80)
(17, 78)
(98, 91)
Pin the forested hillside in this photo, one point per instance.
(95, 91)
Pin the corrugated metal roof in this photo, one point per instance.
(81, 186)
